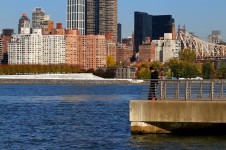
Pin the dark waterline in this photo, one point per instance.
(81, 117)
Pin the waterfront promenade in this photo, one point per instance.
(183, 106)
(77, 78)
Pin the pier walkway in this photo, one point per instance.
(183, 106)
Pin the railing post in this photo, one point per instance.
(212, 90)
(165, 89)
(186, 90)
(161, 90)
(222, 89)
(178, 89)
(200, 90)
(189, 96)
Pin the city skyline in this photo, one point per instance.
(200, 17)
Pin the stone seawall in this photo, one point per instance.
(63, 81)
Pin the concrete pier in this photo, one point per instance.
(177, 116)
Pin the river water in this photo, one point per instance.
(81, 117)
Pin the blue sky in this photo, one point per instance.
(199, 16)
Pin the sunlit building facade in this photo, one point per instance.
(53, 49)
(88, 51)
(166, 48)
(25, 49)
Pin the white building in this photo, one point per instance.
(76, 15)
(36, 49)
(53, 49)
(25, 49)
(166, 48)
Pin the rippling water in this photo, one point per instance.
(80, 117)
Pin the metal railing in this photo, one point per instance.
(187, 90)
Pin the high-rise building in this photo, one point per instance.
(1, 56)
(38, 15)
(72, 47)
(162, 24)
(93, 17)
(5, 40)
(7, 32)
(88, 51)
(25, 49)
(76, 15)
(53, 49)
(102, 17)
(142, 28)
(92, 51)
(36, 48)
(215, 37)
(146, 25)
(24, 24)
(119, 32)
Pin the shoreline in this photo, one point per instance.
(67, 81)
(77, 78)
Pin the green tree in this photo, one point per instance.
(189, 70)
(221, 70)
(175, 67)
(183, 69)
(187, 55)
(207, 72)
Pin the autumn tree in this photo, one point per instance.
(110, 61)
(144, 73)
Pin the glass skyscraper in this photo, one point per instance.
(142, 28)
(93, 17)
(119, 32)
(76, 15)
(154, 27)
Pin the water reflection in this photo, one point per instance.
(74, 98)
(168, 141)
(66, 98)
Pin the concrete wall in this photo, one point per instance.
(169, 116)
(66, 81)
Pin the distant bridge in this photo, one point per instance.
(203, 50)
